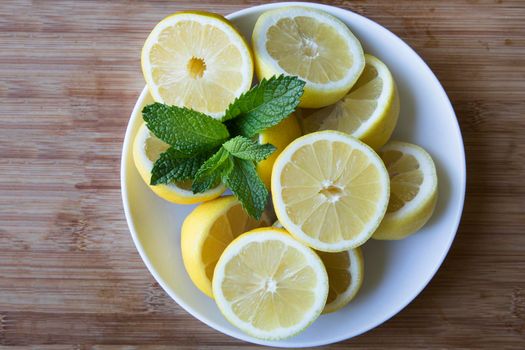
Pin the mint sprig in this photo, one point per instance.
(209, 151)
(234, 165)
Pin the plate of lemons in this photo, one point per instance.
(292, 174)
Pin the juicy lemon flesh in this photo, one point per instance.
(406, 178)
(223, 231)
(193, 65)
(349, 113)
(155, 147)
(332, 197)
(269, 285)
(338, 269)
(310, 49)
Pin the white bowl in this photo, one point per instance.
(395, 272)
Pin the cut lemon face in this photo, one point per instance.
(345, 277)
(197, 60)
(206, 232)
(368, 112)
(310, 44)
(413, 190)
(330, 190)
(269, 285)
(146, 150)
(280, 136)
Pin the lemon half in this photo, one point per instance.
(330, 190)
(413, 190)
(345, 276)
(310, 44)
(197, 60)
(269, 285)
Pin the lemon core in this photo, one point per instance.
(196, 67)
(332, 192)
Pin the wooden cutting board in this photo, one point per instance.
(70, 277)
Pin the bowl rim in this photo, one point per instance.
(321, 341)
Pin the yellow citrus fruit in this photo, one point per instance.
(368, 112)
(280, 136)
(206, 232)
(269, 285)
(345, 277)
(413, 190)
(310, 44)
(146, 150)
(330, 190)
(197, 60)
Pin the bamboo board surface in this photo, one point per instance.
(70, 277)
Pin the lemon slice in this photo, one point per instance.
(206, 232)
(146, 150)
(369, 111)
(197, 60)
(413, 190)
(345, 277)
(280, 136)
(330, 190)
(310, 44)
(269, 285)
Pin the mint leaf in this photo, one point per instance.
(246, 185)
(212, 171)
(264, 106)
(220, 165)
(186, 130)
(171, 167)
(244, 148)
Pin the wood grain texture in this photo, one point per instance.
(70, 277)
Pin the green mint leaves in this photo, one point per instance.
(209, 151)
(244, 148)
(264, 106)
(186, 130)
(245, 183)
(174, 166)
(213, 171)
